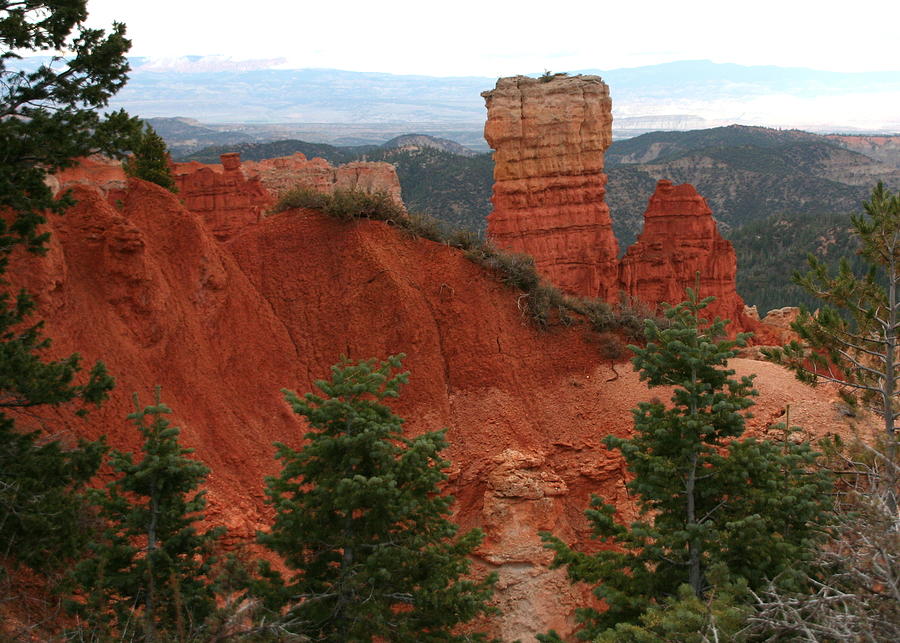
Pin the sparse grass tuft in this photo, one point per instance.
(344, 205)
(514, 270)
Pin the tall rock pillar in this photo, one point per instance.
(549, 137)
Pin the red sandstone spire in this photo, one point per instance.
(549, 139)
(680, 239)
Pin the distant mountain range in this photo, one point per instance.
(368, 107)
(777, 194)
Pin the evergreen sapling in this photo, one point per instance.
(148, 573)
(361, 523)
(707, 498)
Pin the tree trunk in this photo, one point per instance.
(889, 386)
(151, 586)
(694, 576)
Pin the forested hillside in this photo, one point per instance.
(770, 251)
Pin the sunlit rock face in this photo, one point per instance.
(549, 137)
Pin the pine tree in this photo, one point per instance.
(150, 160)
(361, 523)
(47, 118)
(706, 497)
(149, 571)
(853, 340)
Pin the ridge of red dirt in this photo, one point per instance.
(222, 327)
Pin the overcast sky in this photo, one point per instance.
(501, 38)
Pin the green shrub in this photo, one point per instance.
(422, 225)
(464, 239)
(344, 205)
(514, 269)
(353, 204)
(302, 198)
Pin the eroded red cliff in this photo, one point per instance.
(236, 194)
(222, 327)
(224, 196)
(232, 195)
(279, 175)
(549, 137)
(680, 241)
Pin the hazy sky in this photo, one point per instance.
(500, 38)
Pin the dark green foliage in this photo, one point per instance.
(778, 245)
(548, 75)
(747, 174)
(41, 507)
(516, 270)
(627, 316)
(148, 572)
(706, 498)
(336, 155)
(451, 188)
(150, 160)
(719, 616)
(853, 340)
(47, 117)
(361, 524)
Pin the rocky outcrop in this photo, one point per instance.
(97, 171)
(227, 200)
(679, 240)
(279, 175)
(549, 137)
(776, 325)
(236, 194)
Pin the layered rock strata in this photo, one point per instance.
(236, 194)
(549, 138)
(279, 175)
(227, 200)
(679, 241)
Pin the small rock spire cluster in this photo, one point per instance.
(550, 135)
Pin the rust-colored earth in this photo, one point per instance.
(222, 327)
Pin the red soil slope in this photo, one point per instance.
(223, 327)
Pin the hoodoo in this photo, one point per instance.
(228, 201)
(680, 239)
(549, 135)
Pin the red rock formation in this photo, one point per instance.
(223, 327)
(228, 201)
(234, 195)
(279, 175)
(549, 139)
(680, 239)
(97, 171)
